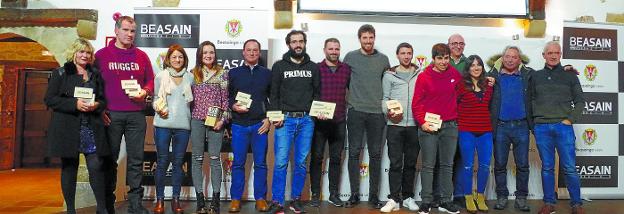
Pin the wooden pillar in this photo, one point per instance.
(537, 9)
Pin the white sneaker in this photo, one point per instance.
(390, 206)
(410, 203)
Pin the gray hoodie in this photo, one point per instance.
(396, 87)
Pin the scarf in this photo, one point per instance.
(167, 83)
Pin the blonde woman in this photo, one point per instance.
(76, 96)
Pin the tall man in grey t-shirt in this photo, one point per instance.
(365, 113)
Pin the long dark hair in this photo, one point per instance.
(468, 78)
(197, 70)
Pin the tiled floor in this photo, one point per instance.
(31, 191)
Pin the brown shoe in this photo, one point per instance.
(175, 206)
(547, 209)
(262, 206)
(235, 206)
(160, 206)
(578, 210)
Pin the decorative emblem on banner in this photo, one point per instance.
(590, 136)
(363, 170)
(590, 72)
(233, 28)
(228, 164)
(421, 61)
(160, 60)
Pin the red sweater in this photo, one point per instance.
(474, 113)
(435, 93)
(117, 64)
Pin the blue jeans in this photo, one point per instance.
(297, 131)
(162, 138)
(560, 136)
(468, 142)
(242, 137)
(508, 133)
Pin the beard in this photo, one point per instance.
(296, 55)
(332, 58)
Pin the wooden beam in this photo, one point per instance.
(45, 17)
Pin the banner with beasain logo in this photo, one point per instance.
(601, 171)
(596, 75)
(590, 43)
(150, 164)
(163, 30)
(600, 108)
(596, 139)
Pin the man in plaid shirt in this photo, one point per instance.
(335, 77)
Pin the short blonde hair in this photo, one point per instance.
(79, 45)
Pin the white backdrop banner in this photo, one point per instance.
(593, 49)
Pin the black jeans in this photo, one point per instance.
(132, 126)
(334, 134)
(373, 124)
(97, 167)
(403, 151)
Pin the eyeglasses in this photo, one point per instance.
(458, 44)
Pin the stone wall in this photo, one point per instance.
(55, 39)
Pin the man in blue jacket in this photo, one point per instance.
(511, 121)
(249, 125)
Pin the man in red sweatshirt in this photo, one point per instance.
(121, 62)
(435, 94)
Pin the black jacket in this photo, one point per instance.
(495, 104)
(294, 86)
(556, 95)
(64, 129)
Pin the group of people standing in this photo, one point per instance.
(472, 111)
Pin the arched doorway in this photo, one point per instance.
(25, 66)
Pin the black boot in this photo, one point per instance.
(214, 203)
(135, 202)
(201, 203)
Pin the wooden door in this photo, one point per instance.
(8, 100)
(35, 118)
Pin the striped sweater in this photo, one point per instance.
(473, 112)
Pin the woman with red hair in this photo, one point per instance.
(172, 124)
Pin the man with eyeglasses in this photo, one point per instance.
(457, 44)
